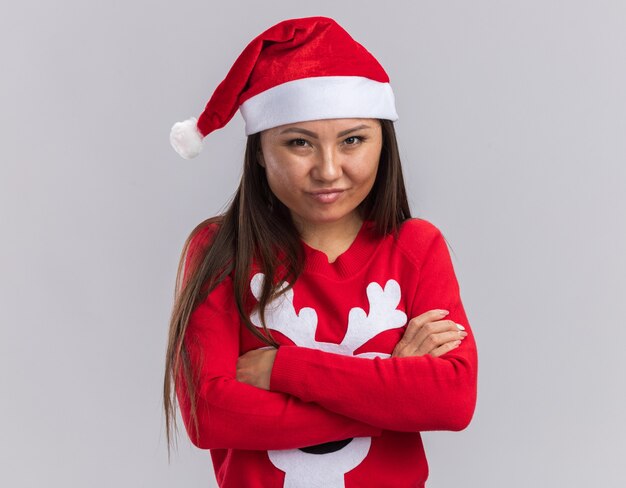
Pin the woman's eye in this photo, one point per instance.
(297, 142)
(354, 140)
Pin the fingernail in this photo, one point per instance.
(444, 312)
(462, 334)
(456, 343)
(460, 327)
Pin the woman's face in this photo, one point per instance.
(322, 169)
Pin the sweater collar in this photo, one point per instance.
(350, 261)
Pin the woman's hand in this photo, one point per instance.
(255, 367)
(428, 333)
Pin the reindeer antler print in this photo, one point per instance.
(383, 315)
(280, 315)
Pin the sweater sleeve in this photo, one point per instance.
(407, 394)
(232, 414)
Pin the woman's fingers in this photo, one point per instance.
(416, 323)
(433, 341)
(428, 333)
(432, 328)
(255, 367)
(448, 346)
(435, 345)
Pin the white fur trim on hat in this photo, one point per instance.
(186, 138)
(319, 97)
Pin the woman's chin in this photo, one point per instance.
(327, 217)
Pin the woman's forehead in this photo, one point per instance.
(330, 126)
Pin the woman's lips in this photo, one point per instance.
(327, 196)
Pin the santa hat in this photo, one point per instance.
(297, 70)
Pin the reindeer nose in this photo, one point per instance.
(310, 469)
(327, 447)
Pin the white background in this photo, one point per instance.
(512, 135)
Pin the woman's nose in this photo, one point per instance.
(327, 166)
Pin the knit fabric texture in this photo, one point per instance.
(340, 411)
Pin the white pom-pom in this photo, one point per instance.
(186, 138)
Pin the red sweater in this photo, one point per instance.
(334, 386)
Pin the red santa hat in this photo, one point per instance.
(297, 70)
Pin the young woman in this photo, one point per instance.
(317, 328)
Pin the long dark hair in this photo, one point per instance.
(257, 226)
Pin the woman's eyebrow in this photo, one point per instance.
(314, 135)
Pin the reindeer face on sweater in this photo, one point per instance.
(326, 464)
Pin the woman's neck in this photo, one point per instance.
(332, 238)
